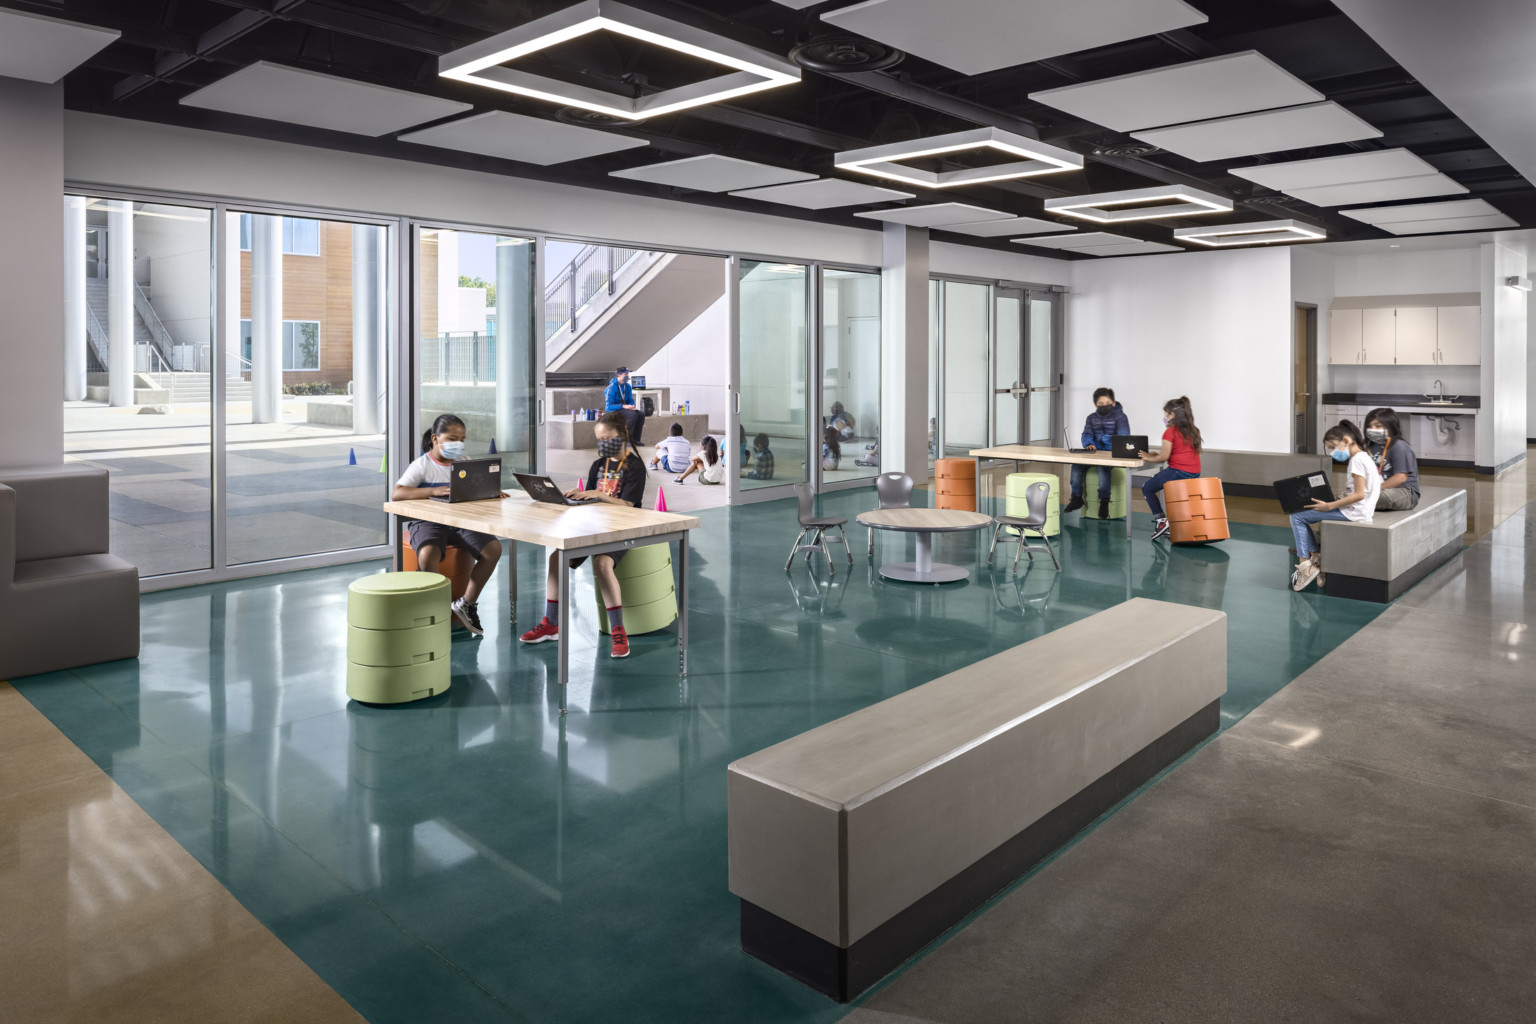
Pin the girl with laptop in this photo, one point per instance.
(428, 477)
(1181, 452)
(1343, 443)
(617, 477)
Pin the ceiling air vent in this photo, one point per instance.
(1126, 149)
(592, 119)
(845, 53)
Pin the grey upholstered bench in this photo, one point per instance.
(1379, 560)
(855, 844)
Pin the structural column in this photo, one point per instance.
(514, 343)
(904, 352)
(75, 341)
(266, 318)
(120, 317)
(369, 318)
(234, 354)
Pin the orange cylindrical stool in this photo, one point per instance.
(954, 484)
(1197, 510)
(456, 565)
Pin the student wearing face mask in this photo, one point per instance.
(1395, 459)
(1343, 444)
(1106, 420)
(426, 477)
(617, 478)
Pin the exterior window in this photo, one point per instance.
(301, 344)
(301, 237)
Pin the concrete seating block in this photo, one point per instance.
(1017, 486)
(856, 843)
(1378, 561)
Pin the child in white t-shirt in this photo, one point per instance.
(1344, 443)
(673, 452)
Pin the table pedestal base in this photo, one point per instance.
(924, 570)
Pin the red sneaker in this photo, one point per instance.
(620, 643)
(545, 630)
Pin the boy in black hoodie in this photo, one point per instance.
(1106, 420)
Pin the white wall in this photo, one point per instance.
(1215, 326)
(180, 270)
(695, 367)
(993, 264)
(31, 273)
(1505, 340)
(1408, 273)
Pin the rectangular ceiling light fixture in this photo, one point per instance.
(753, 70)
(1139, 204)
(1034, 158)
(1258, 232)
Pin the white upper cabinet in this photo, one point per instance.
(1344, 328)
(1378, 337)
(1460, 336)
(1416, 331)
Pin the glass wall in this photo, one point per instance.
(309, 305)
(475, 342)
(774, 360)
(138, 336)
(850, 374)
(1007, 368)
(1044, 381)
(967, 316)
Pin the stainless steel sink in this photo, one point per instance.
(1442, 401)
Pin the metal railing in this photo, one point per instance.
(160, 337)
(458, 358)
(584, 288)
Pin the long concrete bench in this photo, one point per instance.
(1252, 474)
(1379, 560)
(858, 842)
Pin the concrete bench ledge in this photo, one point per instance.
(858, 842)
(1378, 561)
(1252, 474)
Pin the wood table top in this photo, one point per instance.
(1030, 453)
(553, 526)
(924, 520)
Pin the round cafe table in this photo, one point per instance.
(924, 523)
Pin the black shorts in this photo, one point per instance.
(617, 557)
(423, 534)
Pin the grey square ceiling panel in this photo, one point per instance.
(278, 93)
(936, 215)
(1418, 187)
(36, 48)
(1235, 83)
(1269, 131)
(1011, 226)
(531, 140)
(1133, 248)
(1336, 170)
(712, 173)
(1084, 240)
(1491, 222)
(1455, 208)
(824, 194)
(977, 36)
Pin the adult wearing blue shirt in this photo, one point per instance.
(1106, 420)
(621, 399)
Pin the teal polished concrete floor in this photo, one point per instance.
(476, 857)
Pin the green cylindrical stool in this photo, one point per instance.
(1017, 505)
(647, 588)
(1119, 489)
(398, 637)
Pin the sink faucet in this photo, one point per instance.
(1439, 389)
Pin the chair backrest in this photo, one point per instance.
(1037, 497)
(894, 490)
(807, 501)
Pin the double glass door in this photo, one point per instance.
(1026, 368)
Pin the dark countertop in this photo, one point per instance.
(1393, 401)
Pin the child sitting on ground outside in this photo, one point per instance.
(673, 452)
(762, 459)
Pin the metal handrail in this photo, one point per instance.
(97, 336)
(158, 334)
(586, 285)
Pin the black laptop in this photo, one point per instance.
(1128, 446)
(1298, 492)
(1075, 451)
(473, 480)
(542, 488)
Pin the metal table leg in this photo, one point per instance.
(563, 595)
(682, 604)
(509, 552)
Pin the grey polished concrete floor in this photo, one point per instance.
(1359, 848)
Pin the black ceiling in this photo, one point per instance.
(171, 47)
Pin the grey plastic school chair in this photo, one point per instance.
(1037, 499)
(817, 527)
(892, 490)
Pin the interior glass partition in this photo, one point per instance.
(966, 318)
(774, 356)
(475, 342)
(308, 304)
(138, 337)
(1008, 387)
(1043, 367)
(850, 375)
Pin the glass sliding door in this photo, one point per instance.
(1043, 424)
(966, 318)
(138, 336)
(308, 305)
(1008, 388)
(475, 342)
(850, 375)
(773, 317)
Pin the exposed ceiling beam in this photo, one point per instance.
(219, 36)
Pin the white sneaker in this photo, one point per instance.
(677, 479)
(1304, 576)
(1159, 528)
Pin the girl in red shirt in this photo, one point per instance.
(1181, 452)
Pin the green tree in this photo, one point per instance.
(465, 281)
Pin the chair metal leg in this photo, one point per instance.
(871, 532)
(847, 548)
(812, 543)
(1051, 550)
(993, 549)
(794, 549)
(1017, 551)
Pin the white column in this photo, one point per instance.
(266, 319)
(514, 343)
(75, 343)
(233, 354)
(368, 320)
(904, 352)
(120, 317)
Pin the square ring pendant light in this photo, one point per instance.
(1035, 158)
(1171, 200)
(1258, 232)
(481, 63)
